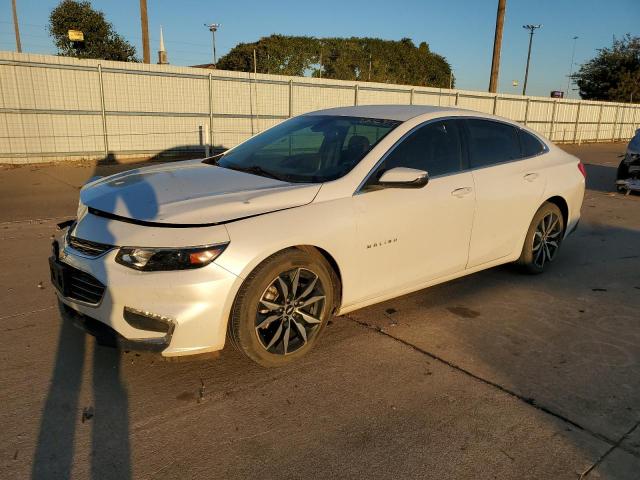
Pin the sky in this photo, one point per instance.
(461, 30)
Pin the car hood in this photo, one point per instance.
(192, 193)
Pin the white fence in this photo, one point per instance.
(57, 108)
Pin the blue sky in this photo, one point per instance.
(461, 30)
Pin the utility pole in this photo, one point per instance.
(573, 54)
(15, 26)
(144, 22)
(531, 29)
(497, 44)
(213, 27)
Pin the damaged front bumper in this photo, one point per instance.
(628, 175)
(107, 336)
(176, 313)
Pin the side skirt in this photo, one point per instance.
(404, 291)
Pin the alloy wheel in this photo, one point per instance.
(290, 311)
(546, 239)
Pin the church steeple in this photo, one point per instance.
(162, 54)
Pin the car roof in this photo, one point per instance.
(394, 112)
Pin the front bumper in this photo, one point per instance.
(107, 336)
(194, 304)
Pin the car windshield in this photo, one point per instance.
(308, 149)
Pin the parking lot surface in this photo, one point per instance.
(495, 375)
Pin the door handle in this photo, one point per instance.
(530, 177)
(461, 192)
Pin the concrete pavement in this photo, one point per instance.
(496, 375)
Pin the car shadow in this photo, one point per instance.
(601, 178)
(186, 152)
(177, 153)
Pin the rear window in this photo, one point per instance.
(529, 144)
(492, 142)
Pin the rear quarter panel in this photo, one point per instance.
(565, 180)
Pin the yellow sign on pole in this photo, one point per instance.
(76, 36)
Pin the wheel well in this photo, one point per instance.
(334, 266)
(561, 203)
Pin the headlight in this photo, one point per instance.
(159, 259)
(82, 211)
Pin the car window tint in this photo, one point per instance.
(492, 142)
(299, 142)
(434, 148)
(529, 144)
(308, 148)
(372, 133)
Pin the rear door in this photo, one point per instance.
(407, 236)
(509, 185)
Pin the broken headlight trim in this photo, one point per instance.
(165, 259)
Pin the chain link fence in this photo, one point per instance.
(58, 108)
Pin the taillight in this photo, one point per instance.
(583, 171)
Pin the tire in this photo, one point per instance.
(272, 329)
(546, 230)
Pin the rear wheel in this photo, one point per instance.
(282, 307)
(543, 239)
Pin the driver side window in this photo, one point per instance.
(435, 148)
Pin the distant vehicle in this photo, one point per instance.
(322, 214)
(628, 175)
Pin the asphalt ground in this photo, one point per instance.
(495, 375)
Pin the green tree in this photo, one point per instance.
(100, 39)
(362, 59)
(275, 54)
(614, 74)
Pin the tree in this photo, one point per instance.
(275, 54)
(614, 74)
(362, 59)
(100, 39)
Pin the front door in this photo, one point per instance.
(408, 236)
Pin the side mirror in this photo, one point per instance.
(403, 177)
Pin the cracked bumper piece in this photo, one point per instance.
(178, 312)
(105, 335)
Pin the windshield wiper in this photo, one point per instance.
(213, 160)
(256, 170)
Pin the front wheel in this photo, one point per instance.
(282, 307)
(543, 239)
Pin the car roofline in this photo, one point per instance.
(401, 113)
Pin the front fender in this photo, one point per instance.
(329, 226)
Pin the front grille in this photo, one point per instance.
(87, 247)
(82, 286)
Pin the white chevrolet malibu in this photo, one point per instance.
(320, 215)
